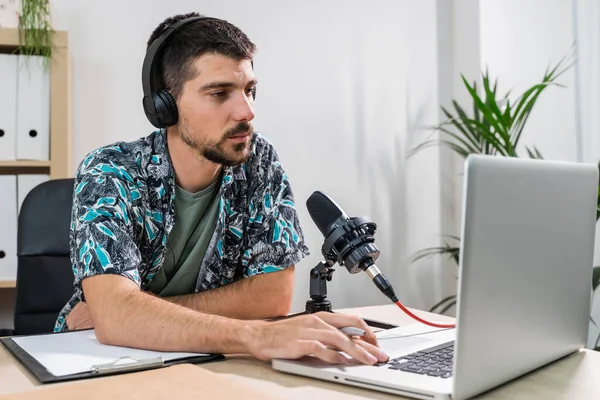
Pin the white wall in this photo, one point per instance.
(519, 39)
(586, 15)
(334, 86)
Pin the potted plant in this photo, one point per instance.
(595, 284)
(494, 126)
(35, 29)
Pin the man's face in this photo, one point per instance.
(216, 109)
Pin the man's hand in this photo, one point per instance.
(318, 335)
(80, 317)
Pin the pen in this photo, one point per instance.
(352, 331)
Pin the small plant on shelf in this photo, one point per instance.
(35, 29)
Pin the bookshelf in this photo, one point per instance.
(61, 155)
(59, 164)
(7, 284)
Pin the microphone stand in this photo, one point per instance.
(319, 276)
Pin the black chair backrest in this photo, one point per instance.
(44, 274)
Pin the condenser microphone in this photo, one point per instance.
(349, 241)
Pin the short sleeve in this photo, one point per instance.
(102, 234)
(275, 238)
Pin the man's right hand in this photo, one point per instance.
(318, 335)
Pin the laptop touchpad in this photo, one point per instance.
(393, 344)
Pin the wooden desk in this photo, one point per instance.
(574, 377)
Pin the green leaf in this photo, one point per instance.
(422, 146)
(451, 300)
(443, 310)
(467, 131)
(495, 113)
(528, 99)
(598, 207)
(466, 146)
(430, 143)
(524, 98)
(476, 113)
(524, 109)
(595, 277)
(487, 115)
(488, 137)
(507, 116)
(35, 29)
(466, 127)
(529, 152)
(452, 251)
(479, 133)
(535, 153)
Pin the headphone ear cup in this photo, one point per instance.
(166, 108)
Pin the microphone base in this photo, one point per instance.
(319, 276)
(313, 306)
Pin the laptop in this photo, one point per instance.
(524, 287)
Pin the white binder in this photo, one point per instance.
(24, 185)
(8, 227)
(33, 109)
(8, 107)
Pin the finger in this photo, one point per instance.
(341, 320)
(369, 335)
(381, 355)
(319, 350)
(342, 342)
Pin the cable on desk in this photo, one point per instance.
(421, 320)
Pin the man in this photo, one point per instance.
(186, 240)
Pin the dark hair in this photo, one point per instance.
(175, 65)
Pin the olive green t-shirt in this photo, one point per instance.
(195, 219)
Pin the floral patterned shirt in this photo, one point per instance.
(123, 211)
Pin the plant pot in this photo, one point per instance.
(9, 13)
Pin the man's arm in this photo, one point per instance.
(256, 297)
(126, 316)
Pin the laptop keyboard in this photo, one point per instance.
(434, 361)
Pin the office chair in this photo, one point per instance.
(44, 274)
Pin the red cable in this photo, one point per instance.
(422, 320)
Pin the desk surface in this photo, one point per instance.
(572, 377)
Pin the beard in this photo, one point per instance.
(221, 152)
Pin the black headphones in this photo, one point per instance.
(159, 105)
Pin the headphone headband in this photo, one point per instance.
(158, 115)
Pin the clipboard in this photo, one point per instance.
(38, 365)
